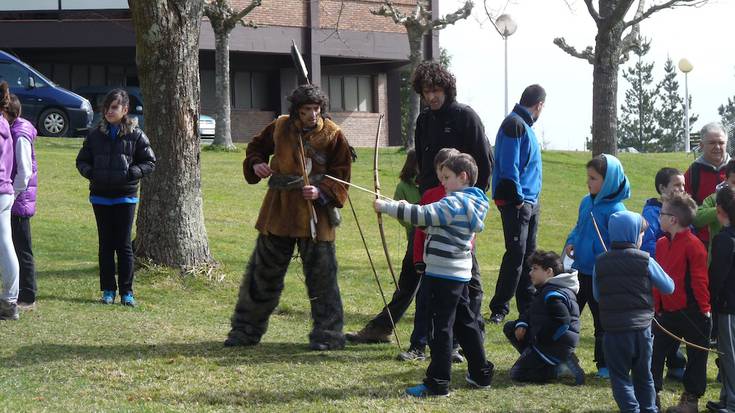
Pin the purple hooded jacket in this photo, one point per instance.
(7, 156)
(25, 203)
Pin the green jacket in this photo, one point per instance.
(707, 216)
(409, 192)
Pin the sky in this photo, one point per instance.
(703, 35)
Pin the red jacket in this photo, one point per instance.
(419, 237)
(703, 185)
(683, 255)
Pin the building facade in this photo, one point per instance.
(80, 43)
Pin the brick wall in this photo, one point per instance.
(289, 13)
(355, 14)
(247, 123)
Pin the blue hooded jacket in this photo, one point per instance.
(615, 189)
(651, 212)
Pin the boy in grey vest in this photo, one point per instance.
(622, 283)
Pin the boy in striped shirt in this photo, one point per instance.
(451, 225)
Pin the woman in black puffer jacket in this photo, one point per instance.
(114, 157)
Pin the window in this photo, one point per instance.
(251, 90)
(15, 75)
(349, 93)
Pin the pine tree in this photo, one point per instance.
(727, 113)
(638, 127)
(671, 114)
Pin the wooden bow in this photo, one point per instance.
(376, 180)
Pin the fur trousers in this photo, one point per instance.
(262, 285)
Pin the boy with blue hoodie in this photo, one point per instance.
(547, 334)
(622, 283)
(608, 188)
(451, 224)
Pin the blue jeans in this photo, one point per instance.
(629, 353)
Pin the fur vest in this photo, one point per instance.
(284, 211)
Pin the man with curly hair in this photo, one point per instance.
(284, 219)
(443, 123)
(516, 190)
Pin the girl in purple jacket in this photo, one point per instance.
(8, 260)
(25, 184)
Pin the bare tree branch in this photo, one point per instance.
(667, 5)
(587, 54)
(452, 18)
(617, 15)
(388, 10)
(633, 39)
(491, 17)
(253, 4)
(591, 9)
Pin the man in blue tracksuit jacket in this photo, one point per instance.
(516, 187)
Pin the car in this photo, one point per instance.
(96, 95)
(53, 110)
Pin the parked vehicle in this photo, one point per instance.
(96, 95)
(53, 110)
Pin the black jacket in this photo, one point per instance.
(453, 126)
(722, 272)
(624, 286)
(115, 166)
(553, 318)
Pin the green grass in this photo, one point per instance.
(73, 354)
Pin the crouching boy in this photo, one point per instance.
(547, 334)
(622, 284)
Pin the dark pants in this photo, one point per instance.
(450, 314)
(629, 353)
(408, 285)
(726, 344)
(21, 229)
(421, 325)
(693, 327)
(529, 367)
(584, 296)
(262, 285)
(519, 230)
(114, 224)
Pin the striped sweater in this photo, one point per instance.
(451, 224)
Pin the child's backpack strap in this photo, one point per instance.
(694, 174)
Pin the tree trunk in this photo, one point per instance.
(223, 133)
(170, 226)
(605, 91)
(415, 38)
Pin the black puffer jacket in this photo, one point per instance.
(114, 166)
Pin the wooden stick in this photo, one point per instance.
(357, 186)
(312, 212)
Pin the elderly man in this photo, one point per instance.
(703, 175)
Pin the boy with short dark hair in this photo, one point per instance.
(668, 181)
(548, 332)
(622, 284)
(722, 296)
(686, 312)
(450, 226)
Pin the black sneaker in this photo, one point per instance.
(457, 357)
(577, 372)
(497, 318)
(716, 407)
(413, 354)
(8, 310)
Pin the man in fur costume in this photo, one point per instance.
(284, 220)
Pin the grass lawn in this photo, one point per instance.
(73, 354)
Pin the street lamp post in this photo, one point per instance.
(685, 66)
(506, 26)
